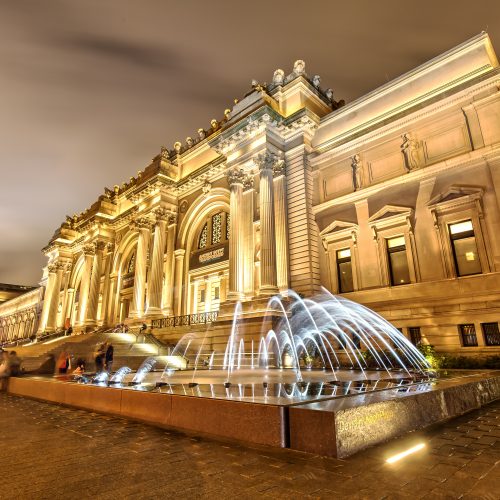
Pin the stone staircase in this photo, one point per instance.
(129, 350)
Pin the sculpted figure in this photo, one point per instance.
(329, 94)
(214, 124)
(201, 134)
(299, 67)
(279, 77)
(357, 175)
(409, 149)
(316, 81)
(189, 141)
(178, 147)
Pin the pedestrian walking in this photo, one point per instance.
(109, 358)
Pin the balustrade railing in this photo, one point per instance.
(185, 320)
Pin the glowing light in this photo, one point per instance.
(461, 227)
(469, 256)
(405, 453)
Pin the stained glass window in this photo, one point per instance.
(131, 264)
(217, 228)
(202, 243)
(228, 225)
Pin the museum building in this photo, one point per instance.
(392, 200)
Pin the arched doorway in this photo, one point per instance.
(209, 263)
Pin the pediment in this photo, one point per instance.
(338, 226)
(391, 212)
(456, 192)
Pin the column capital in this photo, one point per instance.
(180, 252)
(248, 182)
(100, 245)
(88, 249)
(268, 161)
(235, 176)
(52, 268)
(161, 214)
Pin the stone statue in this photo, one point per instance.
(164, 153)
(329, 94)
(279, 77)
(357, 174)
(178, 147)
(201, 134)
(227, 114)
(316, 81)
(409, 148)
(214, 124)
(299, 67)
(189, 142)
(206, 188)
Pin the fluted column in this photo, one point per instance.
(179, 266)
(61, 323)
(280, 218)
(268, 281)
(235, 178)
(95, 282)
(168, 286)
(88, 252)
(155, 282)
(52, 268)
(109, 314)
(248, 237)
(70, 297)
(107, 293)
(144, 226)
(54, 298)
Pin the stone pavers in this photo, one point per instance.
(50, 451)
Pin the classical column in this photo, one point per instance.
(194, 300)
(248, 237)
(268, 279)
(179, 266)
(109, 314)
(235, 178)
(70, 297)
(280, 214)
(107, 296)
(208, 295)
(54, 298)
(155, 282)
(144, 226)
(95, 283)
(168, 287)
(52, 269)
(66, 297)
(88, 252)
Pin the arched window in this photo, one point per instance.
(131, 264)
(202, 243)
(214, 231)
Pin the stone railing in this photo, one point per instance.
(185, 320)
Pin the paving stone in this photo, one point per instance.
(49, 451)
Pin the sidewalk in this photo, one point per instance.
(50, 451)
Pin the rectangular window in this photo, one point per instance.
(415, 335)
(202, 295)
(344, 270)
(464, 247)
(398, 263)
(216, 293)
(491, 333)
(468, 335)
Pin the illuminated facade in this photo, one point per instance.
(392, 199)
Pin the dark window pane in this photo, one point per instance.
(202, 296)
(415, 335)
(466, 256)
(468, 334)
(400, 275)
(345, 276)
(216, 293)
(491, 333)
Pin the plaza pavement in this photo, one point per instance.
(50, 451)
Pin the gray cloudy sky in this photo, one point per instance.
(90, 89)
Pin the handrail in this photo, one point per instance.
(186, 320)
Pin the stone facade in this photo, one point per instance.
(392, 199)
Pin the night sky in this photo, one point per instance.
(90, 90)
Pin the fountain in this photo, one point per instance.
(325, 375)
